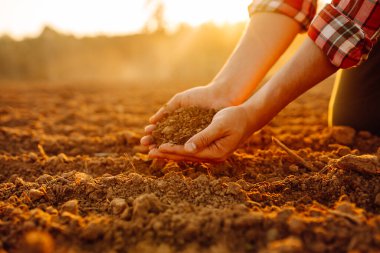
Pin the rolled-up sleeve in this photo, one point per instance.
(302, 11)
(346, 31)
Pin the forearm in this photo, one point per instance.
(308, 67)
(266, 38)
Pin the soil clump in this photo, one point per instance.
(180, 125)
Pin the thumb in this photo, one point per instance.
(204, 138)
(172, 105)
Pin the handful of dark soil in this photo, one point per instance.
(180, 125)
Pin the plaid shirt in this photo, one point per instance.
(345, 30)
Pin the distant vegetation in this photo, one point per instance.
(189, 54)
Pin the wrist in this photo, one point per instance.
(223, 90)
(257, 114)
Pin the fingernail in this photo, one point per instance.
(190, 147)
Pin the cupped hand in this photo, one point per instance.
(229, 128)
(202, 96)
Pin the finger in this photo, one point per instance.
(149, 128)
(172, 148)
(147, 140)
(215, 152)
(204, 138)
(158, 115)
(172, 105)
(155, 153)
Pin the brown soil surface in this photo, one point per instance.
(73, 178)
(180, 125)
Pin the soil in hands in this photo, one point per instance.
(180, 125)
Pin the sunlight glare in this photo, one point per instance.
(20, 18)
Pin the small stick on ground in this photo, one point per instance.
(42, 151)
(291, 153)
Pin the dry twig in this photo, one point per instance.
(42, 151)
(291, 153)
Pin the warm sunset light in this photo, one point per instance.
(180, 126)
(20, 18)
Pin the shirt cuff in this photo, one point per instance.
(302, 11)
(341, 39)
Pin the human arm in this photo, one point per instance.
(265, 39)
(233, 125)
(341, 36)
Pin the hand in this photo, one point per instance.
(228, 129)
(203, 96)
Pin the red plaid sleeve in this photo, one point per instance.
(303, 11)
(346, 30)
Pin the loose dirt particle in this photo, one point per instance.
(118, 205)
(35, 194)
(180, 125)
(293, 168)
(71, 206)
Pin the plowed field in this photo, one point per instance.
(73, 178)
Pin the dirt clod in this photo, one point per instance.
(180, 125)
(144, 204)
(35, 194)
(343, 134)
(118, 205)
(71, 206)
(365, 163)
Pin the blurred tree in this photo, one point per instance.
(156, 22)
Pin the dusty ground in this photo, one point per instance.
(74, 179)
